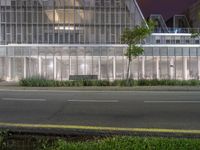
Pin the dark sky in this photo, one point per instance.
(165, 7)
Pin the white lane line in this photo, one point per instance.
(21, 99)
(192, 102)
(94, 101)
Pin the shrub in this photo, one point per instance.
(42, 82)
(117, 83)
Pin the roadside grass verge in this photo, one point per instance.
(10, 142)
(129, 143)
(42, 82)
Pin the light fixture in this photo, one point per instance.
(65, 28)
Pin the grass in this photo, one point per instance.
(42, 82)
(129, 143)
(109, 143)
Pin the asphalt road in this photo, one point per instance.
(125, 109)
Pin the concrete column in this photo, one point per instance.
(99, 68)
(25, 67)
(70, 65)
(114, 68)
(85, 67)
(54, 68)
(158, 68)
(171, 68)
(143, 67)
(40, 66)
(198, 67)
(185, 68)
(9, 69)
(61, 68)
(85, 71)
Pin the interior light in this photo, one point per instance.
(64, 28)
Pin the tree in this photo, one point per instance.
(195, 33)
(133, 37)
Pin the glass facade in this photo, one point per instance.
(66, 21)
(60, 38)
(109, 62)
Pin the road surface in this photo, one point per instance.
(123, 109)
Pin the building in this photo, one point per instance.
(57, 39)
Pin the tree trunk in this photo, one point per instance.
(128, 71)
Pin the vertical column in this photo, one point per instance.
(198, 59)
(2, 64)
(171, 68)
(85, 72)
(40, 66)
(25, 67)
(85, 69)
(143, 67)
(185, 75)
(157, 68)
(114, 68)
(70, 65)
(61, 68)
(54, 67)
(9, 69)
(99, 68)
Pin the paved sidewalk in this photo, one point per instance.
(15, 86)
(6, 84)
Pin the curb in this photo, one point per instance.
(141, 88)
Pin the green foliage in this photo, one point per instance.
(3, 137)
(42, 82)
(130, 143)
(194, 33)
(134, 51)
(133, 37)
(109, 143)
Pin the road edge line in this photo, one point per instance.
(96, 128)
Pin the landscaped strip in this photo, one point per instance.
(97, 143)
(42, 82)
(129, 143)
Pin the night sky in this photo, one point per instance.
(165, 7)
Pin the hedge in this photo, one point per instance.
(42, 82)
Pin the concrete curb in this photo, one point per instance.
(139, 88)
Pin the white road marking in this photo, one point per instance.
(94, 101)
(192, 102)
(22, 99)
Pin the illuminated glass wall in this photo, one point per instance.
(108, 62)
(57, 39)
(66, 21)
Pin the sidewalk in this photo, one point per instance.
(14, 86)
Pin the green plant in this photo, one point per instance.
(133, 37)
(42, 82)
(4, 134)
(124, 142)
